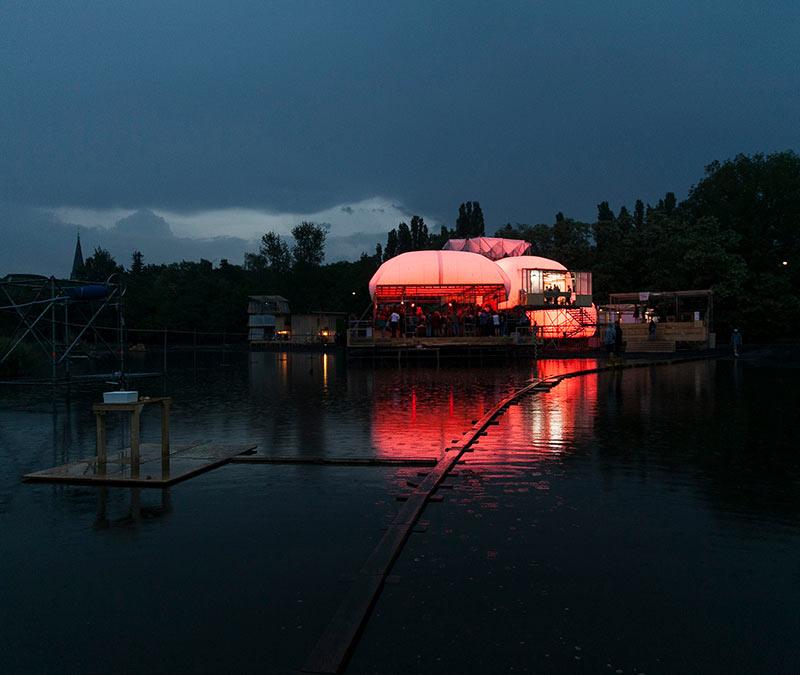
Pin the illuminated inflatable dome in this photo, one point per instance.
(515, 268)
(557, 300)
(446, 275)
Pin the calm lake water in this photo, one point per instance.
(643, 521)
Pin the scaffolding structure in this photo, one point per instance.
(56, 317)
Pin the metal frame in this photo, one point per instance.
(31, 298)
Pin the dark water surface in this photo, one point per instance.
(644, 521)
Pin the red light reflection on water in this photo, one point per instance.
(420, 420)
(539, 426)
(413, 422)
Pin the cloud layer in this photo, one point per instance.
(42, 240)
(295, 107)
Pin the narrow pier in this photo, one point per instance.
(333, 649)
(154, 470)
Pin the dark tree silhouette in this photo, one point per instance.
(275, 252)
(137, 263)
(309, 243)
(604, 212)
(470, 220)
(391, 245)
(638, 214)
(420, 240)
(404, 241)
(100, 265)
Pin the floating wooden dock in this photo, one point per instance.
(332, 651)
(334, 461)
(334, 647)
(414, 348)
(155, 470)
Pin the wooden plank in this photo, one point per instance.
(165, 404)
(335, 461)
(100, 420)
(334, 647)
(135, 429)
(193, 460)
(128, 407)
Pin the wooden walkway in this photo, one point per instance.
(332, 651)
(185, 461)
(334, 461)
(336, 643)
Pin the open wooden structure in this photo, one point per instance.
(683, 319)
(140, 465)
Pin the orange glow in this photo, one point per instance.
(437, 274)
(538, 427)
(553, 323)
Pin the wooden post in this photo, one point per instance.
(100, 418)
(135, 456)
(66, 333)
(101, 516)
(136, 505)
(165, 429)
(53, 327)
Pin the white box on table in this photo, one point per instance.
(120, 396)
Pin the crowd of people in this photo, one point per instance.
(450, 320)
(553, 295)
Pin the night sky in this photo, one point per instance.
(302, 107)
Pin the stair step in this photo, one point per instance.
(650, 346)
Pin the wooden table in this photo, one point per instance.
(135, 409)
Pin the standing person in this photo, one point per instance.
(609, 338)
(651, 330)
(394, 322)
(436, 322)
(523, 323)
(483, 319)
(496, 323)
(619, 345)
(736, 341)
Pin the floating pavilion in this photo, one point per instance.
(483, 272)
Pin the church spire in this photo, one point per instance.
(77, 261)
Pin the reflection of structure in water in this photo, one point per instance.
(130, 514)
(411, 421)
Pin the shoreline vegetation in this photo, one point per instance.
(737, 232)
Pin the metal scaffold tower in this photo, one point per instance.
(59, 318)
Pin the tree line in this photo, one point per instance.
(737, 232)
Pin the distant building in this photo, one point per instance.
(268, 317)
(270, 320)
(77, 261)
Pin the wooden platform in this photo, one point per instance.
(334, 461)
(184, 461)
(406, 348)
(647, 346)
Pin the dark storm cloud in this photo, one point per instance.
(297, 106)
